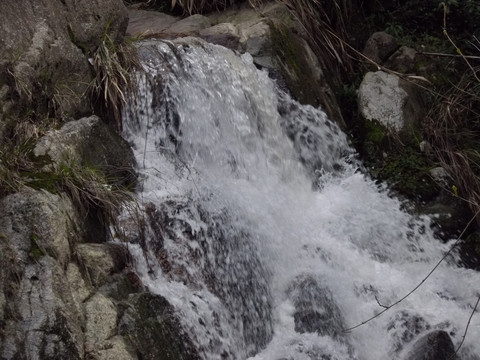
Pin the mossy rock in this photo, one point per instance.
(150, 324)
(302, 71)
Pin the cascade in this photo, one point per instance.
(263, 232)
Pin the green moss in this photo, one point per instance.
(295, 67)
(36, 251)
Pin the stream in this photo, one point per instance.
(264, 231)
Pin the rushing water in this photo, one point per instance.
(264, 233)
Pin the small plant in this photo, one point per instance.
(113, 65)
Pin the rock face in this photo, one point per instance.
(62, 299)
(435, 345)
(40, 319)
(389, 100)
(44, 49)
(150, 323)
(88, 142)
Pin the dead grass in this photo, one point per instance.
(453, 130)
(113, 64)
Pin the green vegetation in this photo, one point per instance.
(400, 163)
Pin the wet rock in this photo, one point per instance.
(189, 26)
(448, 213)
(230, 267)
(436, 345)
(148, 22)
(102, 260)
(316, 140)
(88, 142)
(225, 34)
(389, 100)
(302, 71)
(45, 46)
(315, 308)
(155, 332)
(380, 46)
(404, 327)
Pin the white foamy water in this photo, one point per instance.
(264, 222)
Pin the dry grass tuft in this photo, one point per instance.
(453, 130)
(113, 65)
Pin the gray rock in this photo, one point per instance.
(436, 345)
(143, 22)
(189, 26)
(45, 326)
(116, 348)
(88, 142)
(101, 321)
(402, 60)
(225, 34)
(440, 175)
(389, 100)
(315, 309)
(102, 260)
(37, 223)
(78, 287)
(255, 37)
(380, 46)
(42, 47)
(236, 15)
(404, 327)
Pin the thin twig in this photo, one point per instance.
(466, 329)
(386, 308)
(379, 303)
(453, 43)
(449, 55)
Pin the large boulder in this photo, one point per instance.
(391, 101)
(40, 313)
(44, 49)
(315, 308)
(436, 345)
(380, 46)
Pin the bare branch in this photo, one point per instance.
(380, 304)
(386, 308)
(466, 329)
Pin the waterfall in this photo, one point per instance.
(263, 231)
